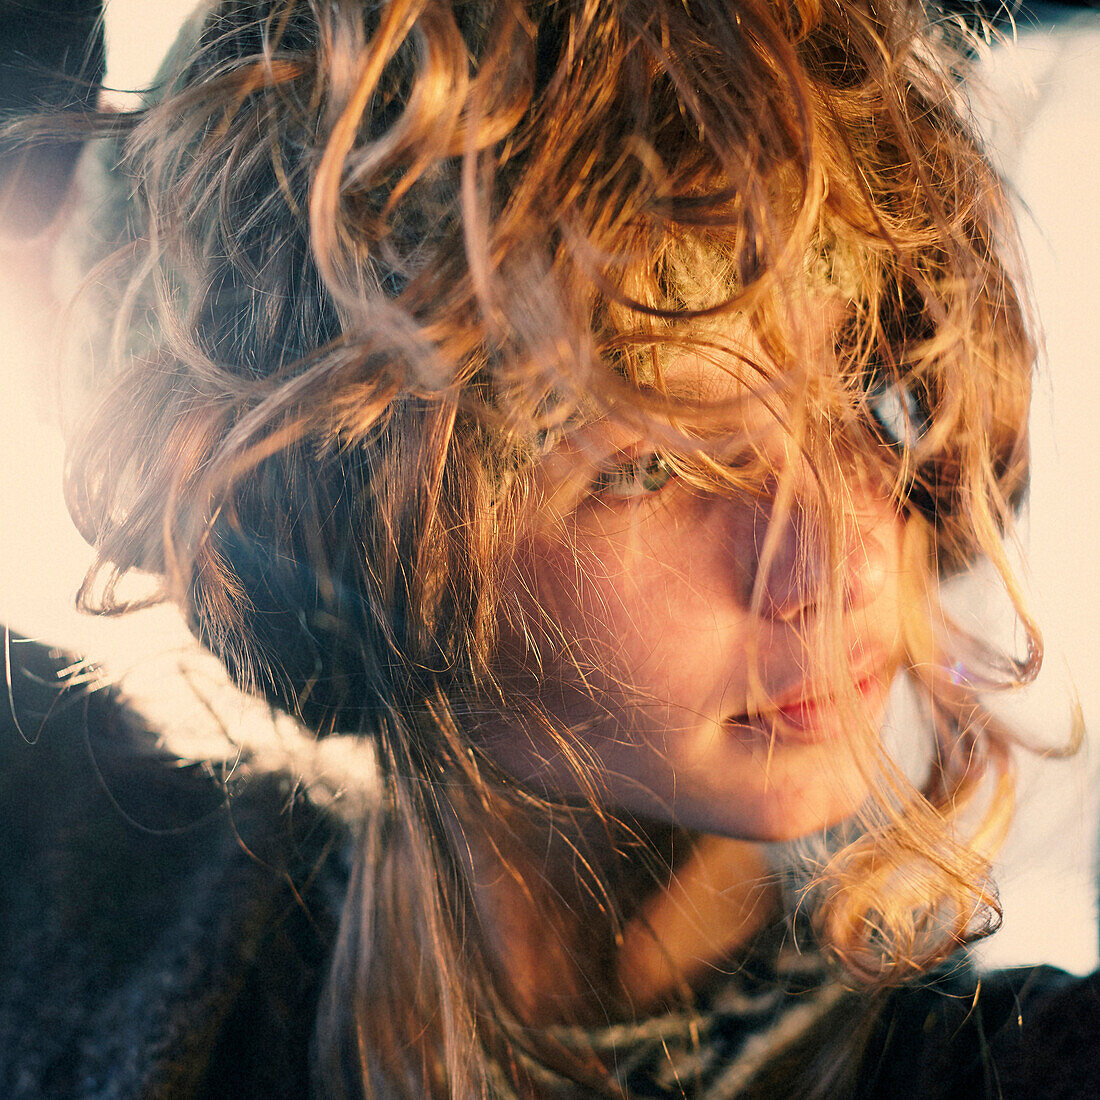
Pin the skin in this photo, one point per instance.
(674, 629)
(682, 658)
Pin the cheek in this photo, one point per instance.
(646, 617)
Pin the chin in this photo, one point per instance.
(778, 813)
(796, 826)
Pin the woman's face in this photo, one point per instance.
(694, 701)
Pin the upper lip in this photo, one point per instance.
(804, 694)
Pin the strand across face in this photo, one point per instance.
(675, 629)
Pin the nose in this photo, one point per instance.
(795, 572)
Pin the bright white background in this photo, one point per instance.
(1042, 118)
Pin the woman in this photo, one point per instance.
(580, 404)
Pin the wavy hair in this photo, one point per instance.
(385, 255)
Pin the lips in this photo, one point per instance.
(809, 717)
(805, 710)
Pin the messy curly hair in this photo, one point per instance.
(385, 255)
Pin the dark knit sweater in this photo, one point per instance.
(164, 933)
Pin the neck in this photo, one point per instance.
(590, 917)
(714, 904)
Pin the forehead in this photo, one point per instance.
(727, 384)
(728, 360)
(714, 387)
(715, 401)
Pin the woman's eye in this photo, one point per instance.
(901, 418)
(638, 477)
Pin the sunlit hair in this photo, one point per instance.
(388, 256)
